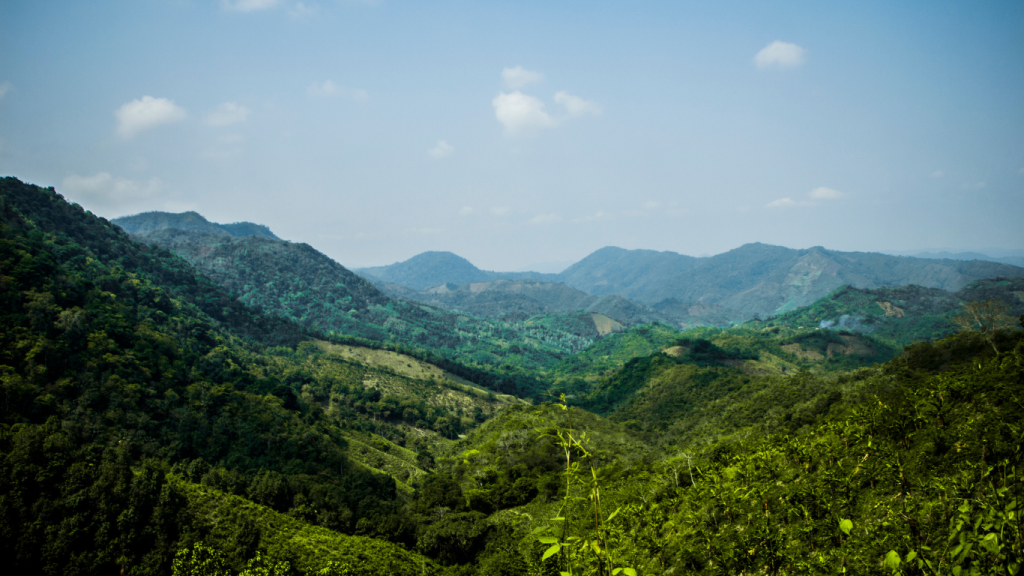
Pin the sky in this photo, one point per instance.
(527, 134)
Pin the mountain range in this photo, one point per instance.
(155, 422)
(754, 280)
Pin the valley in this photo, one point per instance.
(188, 397)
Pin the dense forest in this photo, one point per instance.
(156, 422)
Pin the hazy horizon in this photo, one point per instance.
(530, 132)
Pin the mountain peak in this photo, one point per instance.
(189, 221)
(427, 270)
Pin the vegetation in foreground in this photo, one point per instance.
(152, 424)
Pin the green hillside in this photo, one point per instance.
(762, 280)
(899, 315)
(295, 281)
(191, 221)
(112, 377)
(427, 270)
(521, 299)
(752, 281)
(154, 424)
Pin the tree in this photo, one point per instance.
(986, 318)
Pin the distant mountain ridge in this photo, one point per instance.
(522, 298)
(754, 280)
(899, 315)
(192, 221)
(431, 269)
(946, 255)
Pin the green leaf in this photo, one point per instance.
(846, 525)
(892, 560)
(548, 540)
(911, 555)
(629, 571)
(1013, 568)
(597, 549)
(614, 514)
(991, 542)
(956, 571)
(551, 551)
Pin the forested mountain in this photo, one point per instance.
(525, 298)
(120, 364)
(1014, 260)
(154, 424)
(754, 280)
(431, 269)
(295, 281)
(192, 221)
(427, 270)
(758, 279)
(900, 315)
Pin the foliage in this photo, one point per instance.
(296, 282)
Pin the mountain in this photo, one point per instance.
(754, 280)
(628, 273)
(431, 269)
(150, 221)
(154, 424)
(296, 282)
(763, 280)
(525, 298)
(427, 270)
(899, 315)
(946, 255)
(134, 387)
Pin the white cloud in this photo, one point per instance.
(5, 88)
(423, 231)
(518, 77)
(822, 193)
(247, 5)
(228, 113)
(938, 174)
(545, 219)
(104, 187)
(781, 203)
(441, 150)
(819, 193)
(328, 89)
(650, 205)
(520, 113)
(781, 54)
(466, 211)
(499, 210)
(300, 11)
(575, 105)
(145, 113)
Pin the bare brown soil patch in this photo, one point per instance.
(891, 310)
(604, 324)
(799, 352)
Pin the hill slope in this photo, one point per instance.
(113, 373)
(758, 279)
(295, 281)
(193, 221)
(899, 315)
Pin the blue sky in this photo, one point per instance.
(526, 132)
